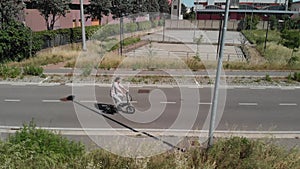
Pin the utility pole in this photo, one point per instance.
(82, 26)
(216, 88)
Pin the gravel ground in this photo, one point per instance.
(158, 80)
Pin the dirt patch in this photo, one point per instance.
(254, 55)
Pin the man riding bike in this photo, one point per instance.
(118, 91)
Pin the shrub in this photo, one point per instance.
(36, 148)
(130, 27)
(126, 42)
(9, 71)
(296, 76)
(33, 70)
(144, 25)
(155, 23)
(17, 42)
(268, 78)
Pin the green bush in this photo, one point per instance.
(126, 42)
(17, 42)
(130, 27)
(155, 23)
(36, 148)
(9, 71)
(296, 76)
(161, 22)
(33, 70)
(268, 78)
(144, 25)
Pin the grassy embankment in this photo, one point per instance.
(36, 148)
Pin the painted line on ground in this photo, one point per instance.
(160, 132)
(12, 100)
(205, 103)
(88, 101)
(51, 101)
(287, 104)
(248, 104)
(287, 88)
(257, 88)
(168, 102)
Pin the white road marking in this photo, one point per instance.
(88, 101)
(42, 81)
(207, 103)
(287, 88)
(160, 132)
(257, 88)
(51, 101)
(287, 104)
(248, 104)
(12, 100)
(168, 102)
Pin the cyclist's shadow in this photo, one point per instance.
(106, 108)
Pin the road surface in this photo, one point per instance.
(248, 109)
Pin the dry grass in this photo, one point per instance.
(52, 56)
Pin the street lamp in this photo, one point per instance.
(164, 26)
(82, 26)
(120, 14)
(220, 34)
(266, 38)
(216, 88)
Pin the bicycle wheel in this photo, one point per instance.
(130, 109)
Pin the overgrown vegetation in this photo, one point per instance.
(32, 147)
(126, 42)
(17, 42)
(7, 71)
(36, 148)
(281, 50)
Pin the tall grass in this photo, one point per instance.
(276, 55)
(36, 148)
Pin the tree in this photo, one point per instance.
(183, 9)
(9, 11)
(17, 42)
(98, 8)
(121, 8)
(273, 22)
(249, 23)
(52, 10)
(291, 40)
(164, 6)
(151, 6)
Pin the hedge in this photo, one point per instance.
(70, 35)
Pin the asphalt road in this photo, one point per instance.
(249, 109)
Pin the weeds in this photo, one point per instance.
(36, 148)
(268, 78)
(33, 70)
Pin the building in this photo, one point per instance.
(239, 9)
(204, 4)
(36, 22)
(296, 7)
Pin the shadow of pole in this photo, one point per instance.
(126, 126)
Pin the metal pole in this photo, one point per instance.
(265, 46)
(216, 88)
(164, 25)
(121, 35)
(82, 26)
(195, 10)
(220, 34)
